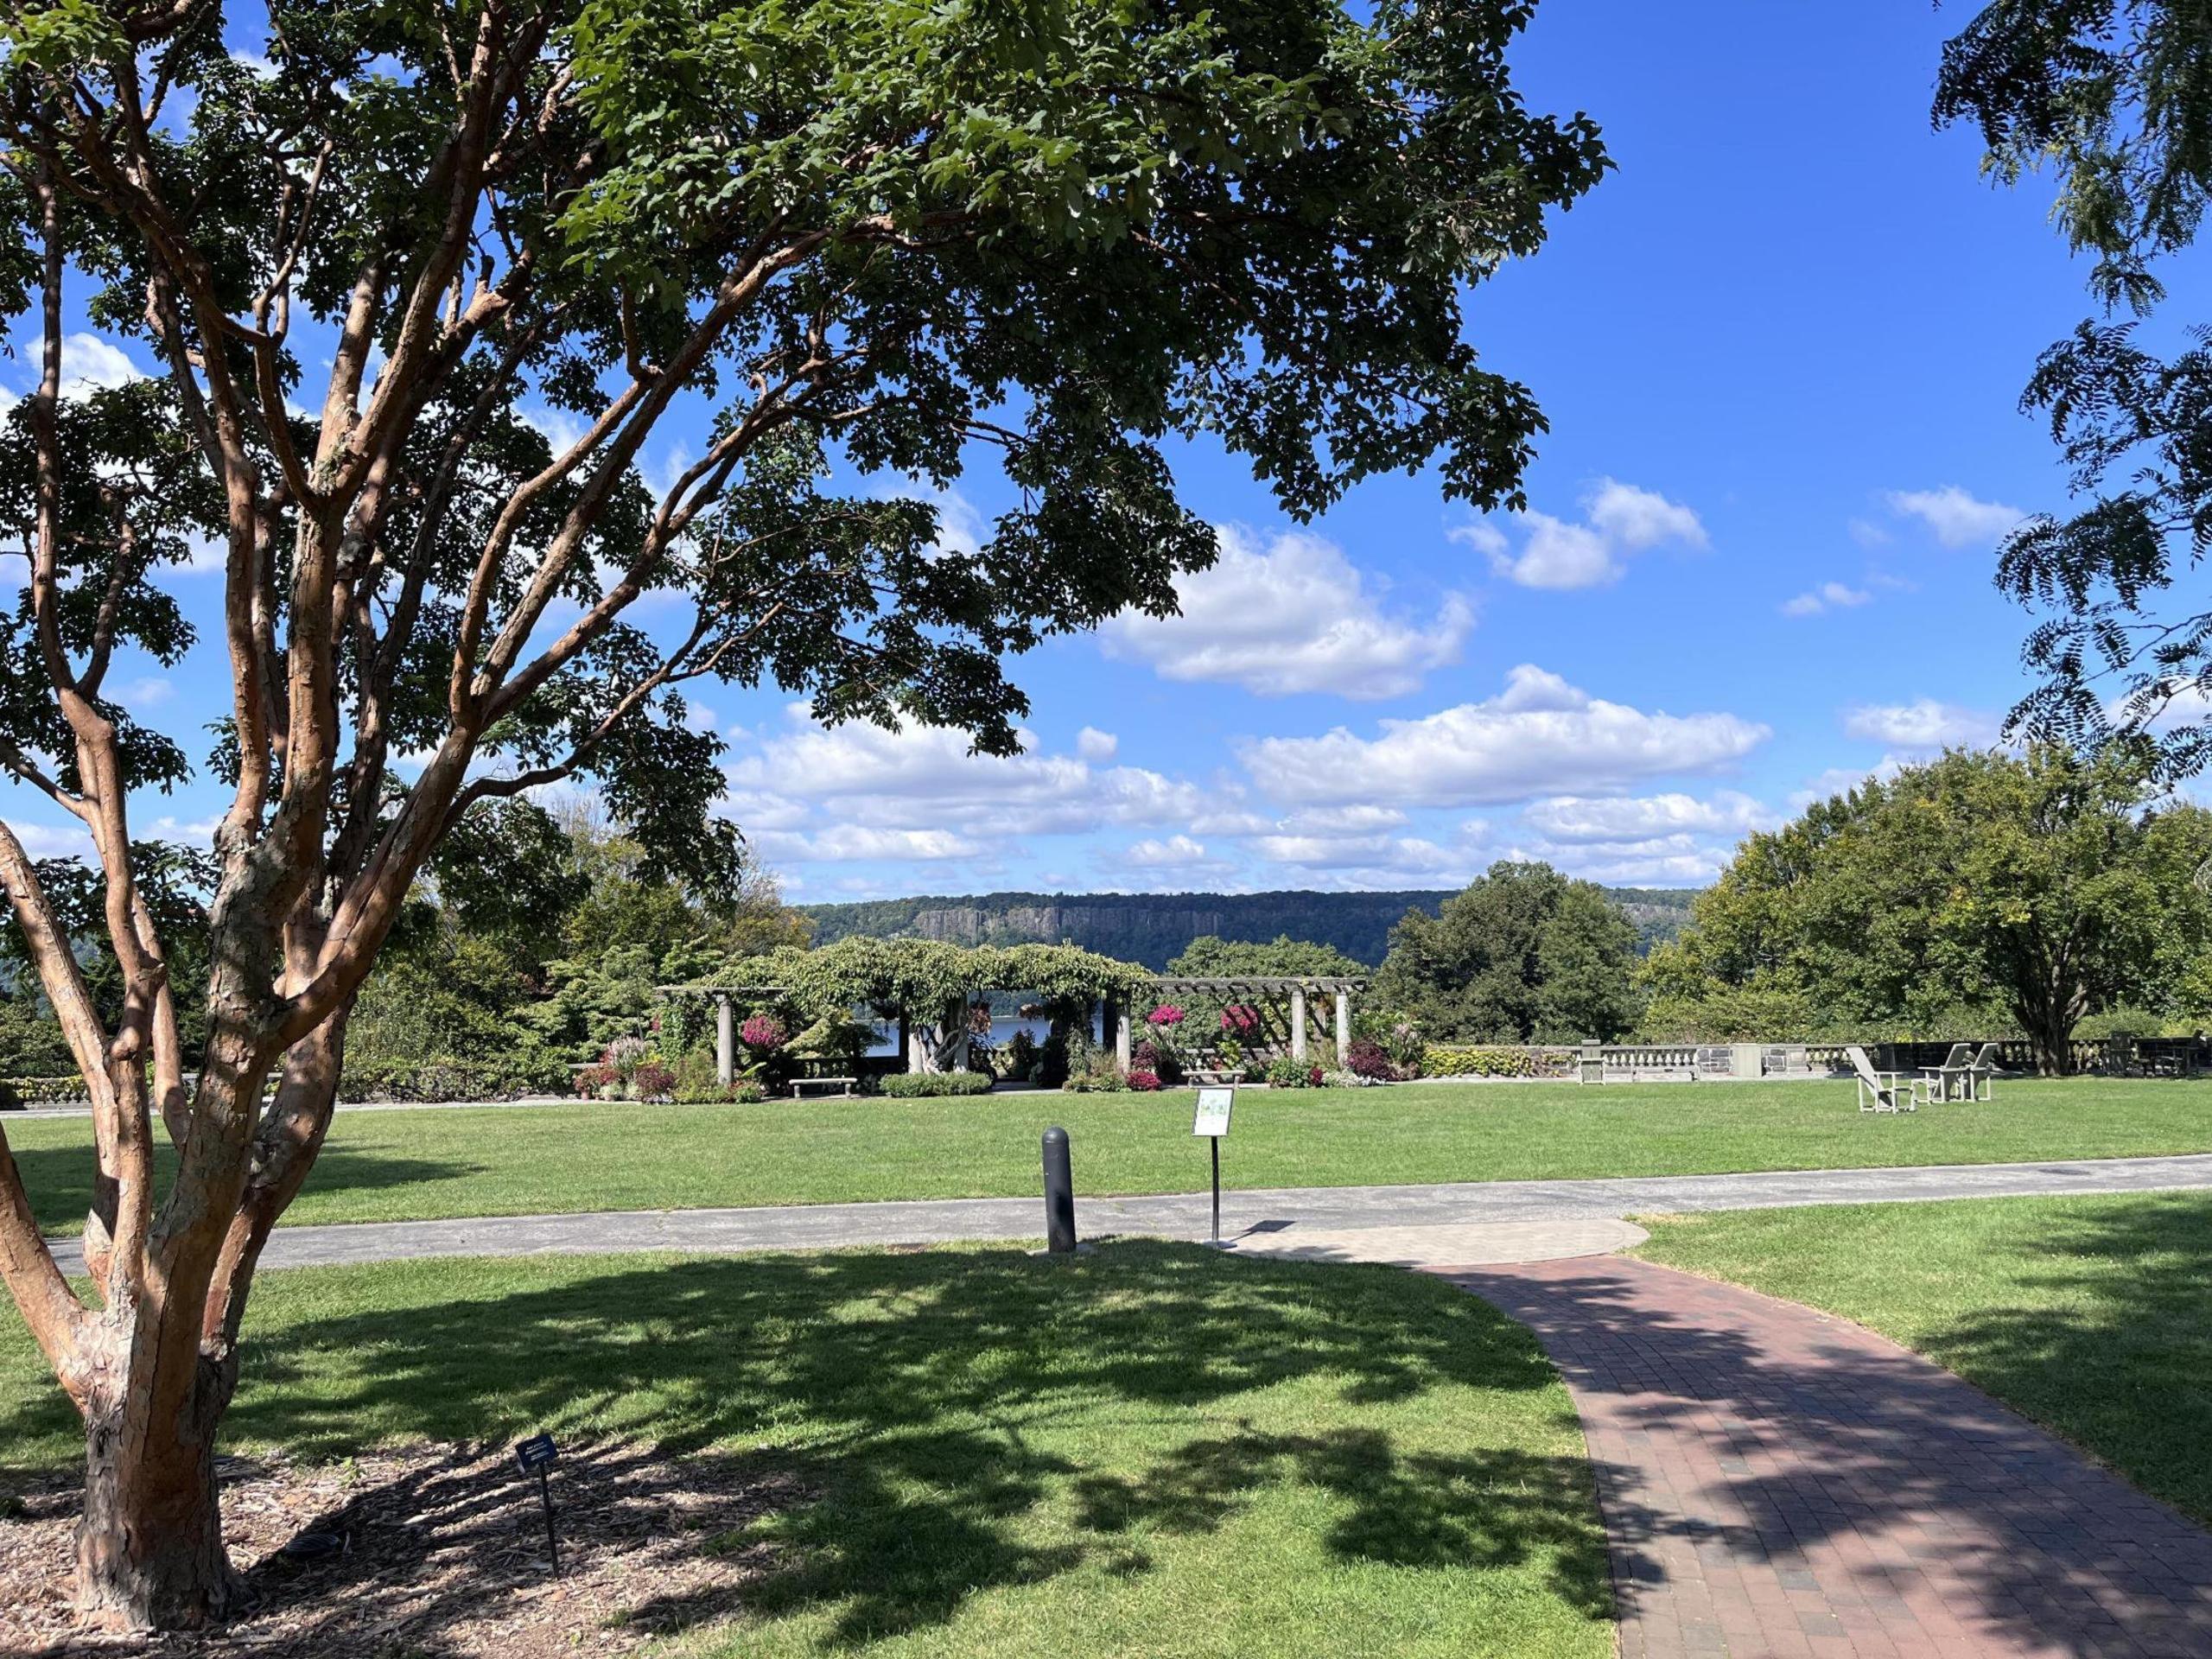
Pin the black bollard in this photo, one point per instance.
(1059, 1194)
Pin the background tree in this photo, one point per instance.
(1523, 955)
(379, 251)
(2114, 98)
(1982, 889)
(1210, 957)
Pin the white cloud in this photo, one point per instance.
(1293, 615)
(562, 430)
(1956, 518)
(1923, 724)
(1538, 734)
(196, 831)
(1407, 855)
(52, 840)
(1174, 852)
(1829, 596)
(1636, 519)
(1363, 817)
(146, 692)
(848, 842)
(1479, 534)
(1868, 534)
(1559, 555)
(1625, 820)
(90, 364)
(1091, 744)
(923, 777)
(1618, 519)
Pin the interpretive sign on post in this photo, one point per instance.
(1212, 1121)
(537, 1455)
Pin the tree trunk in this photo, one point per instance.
(2052, 1043)
(150, 1548)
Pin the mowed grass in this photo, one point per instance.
(2092, 1315)
(1154, 1450)
(520, 1160)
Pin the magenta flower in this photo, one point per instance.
(1166, 1015)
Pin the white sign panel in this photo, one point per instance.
(1214, 1105)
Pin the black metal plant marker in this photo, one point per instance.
(538, 1454)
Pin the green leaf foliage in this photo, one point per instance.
(925, 977)
(1524, 955)
(2037, 888)
(1212, 958)
(2113, 98)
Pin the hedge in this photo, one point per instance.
(448, 1080)
(931, 1085)
(43, 1091)
(1455, 1060)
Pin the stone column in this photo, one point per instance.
(1298, 1023)
(960, 1036)
(1124, 1037)
(724, 1041)
(1344, 1026)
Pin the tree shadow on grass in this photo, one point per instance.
(972, 1419)
(2119, 1360)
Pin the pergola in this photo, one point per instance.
(928, 985)
(1259, 990)
(935, 982)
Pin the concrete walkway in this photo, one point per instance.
(1778, 1482)
(1267, 1218)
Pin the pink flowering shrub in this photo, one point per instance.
(1240, 1020)
(763, 1031)
(1166, 1015)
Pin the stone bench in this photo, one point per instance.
(843, 1085)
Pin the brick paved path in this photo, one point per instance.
(1777, 1482)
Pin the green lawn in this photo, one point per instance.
(1152, 1450)
(2093, 1316)
(394, 1166)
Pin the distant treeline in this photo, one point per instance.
(1150, 928)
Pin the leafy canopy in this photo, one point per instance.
(854, 239)
(1524, 955)
(1210, 957)
(2024, 890)
(2114, 97)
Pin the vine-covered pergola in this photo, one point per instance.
(1265, 994)
(926, 985)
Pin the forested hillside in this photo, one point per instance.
(1150, 928)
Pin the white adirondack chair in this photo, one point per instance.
(1887, 1092)
(1981, 1076)
(1947, 1081)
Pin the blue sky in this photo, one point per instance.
(1781, 351)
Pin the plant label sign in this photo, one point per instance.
(536, 1452)
(1214, 1106)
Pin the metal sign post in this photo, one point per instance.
(537, 1455)
(1212, 1121)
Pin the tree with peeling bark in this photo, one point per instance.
(424, 281)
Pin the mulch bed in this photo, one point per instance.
(437, 1552)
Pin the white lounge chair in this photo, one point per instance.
(1889, 1091)
(1981, 1076)
(1947, 1081)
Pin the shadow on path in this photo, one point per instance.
(1771, 1477)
